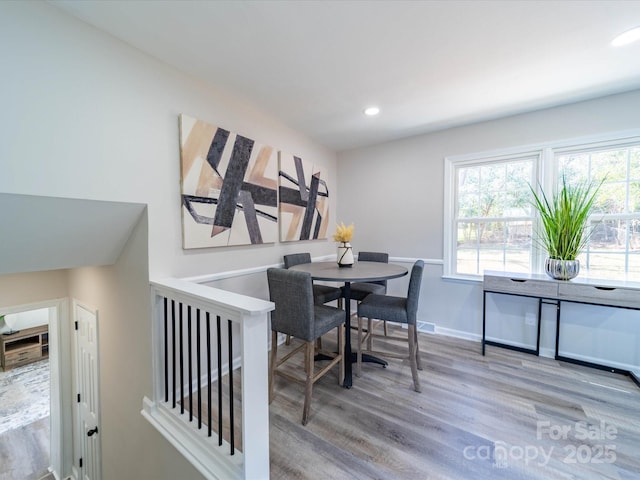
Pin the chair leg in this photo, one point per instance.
(412, 357)
(370, 331)
(418, 362)
(272, 364)
(308, 356)
(288, 340)
(341, 353)
(386, 332)
(359, 354)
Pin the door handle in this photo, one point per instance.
(92, 432)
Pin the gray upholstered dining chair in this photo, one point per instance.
(297, 315)
(393, 309)
(360, 290)
(321, 293)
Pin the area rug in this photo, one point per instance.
(24, 395)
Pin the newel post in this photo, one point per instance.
(255, 421)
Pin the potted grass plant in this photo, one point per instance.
(564, 229)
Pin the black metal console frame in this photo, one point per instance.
(557, 302)
(531, 351)
(576, 361)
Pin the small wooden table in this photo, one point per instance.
(359, 272)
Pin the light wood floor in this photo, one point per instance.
(507, 415)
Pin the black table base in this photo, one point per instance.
(354, 358)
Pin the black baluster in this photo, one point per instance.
(231, 432)
(209, 374)
(219, 381)
(166, 351)
(173, 350)
(190, 340)
(181, 363)
(198, 368)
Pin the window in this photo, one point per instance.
(493, 220)
(489, 221)
(614, 246)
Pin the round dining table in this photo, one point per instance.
(358, 272)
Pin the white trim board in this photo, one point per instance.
(212, 277)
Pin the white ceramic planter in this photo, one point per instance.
(345, 254)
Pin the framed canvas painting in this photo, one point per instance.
(304, 200)
(229, 187)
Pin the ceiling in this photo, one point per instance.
(49, 233)
(428, 65)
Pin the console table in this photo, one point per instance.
(26, 346)
(605, 293)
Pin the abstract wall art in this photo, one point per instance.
(229, 187)
(304, 200)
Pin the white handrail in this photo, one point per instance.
(248, 320)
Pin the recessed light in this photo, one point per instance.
(371, 111)
(627, 37)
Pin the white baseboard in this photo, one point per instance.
(600, 361)
(547, 352)
(450, 332)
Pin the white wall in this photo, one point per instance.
(27, 319)
(86, 116)
(131, 447)
(393, 192)
(29, 288)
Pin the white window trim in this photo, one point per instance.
(544, 167)
(451, 163)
